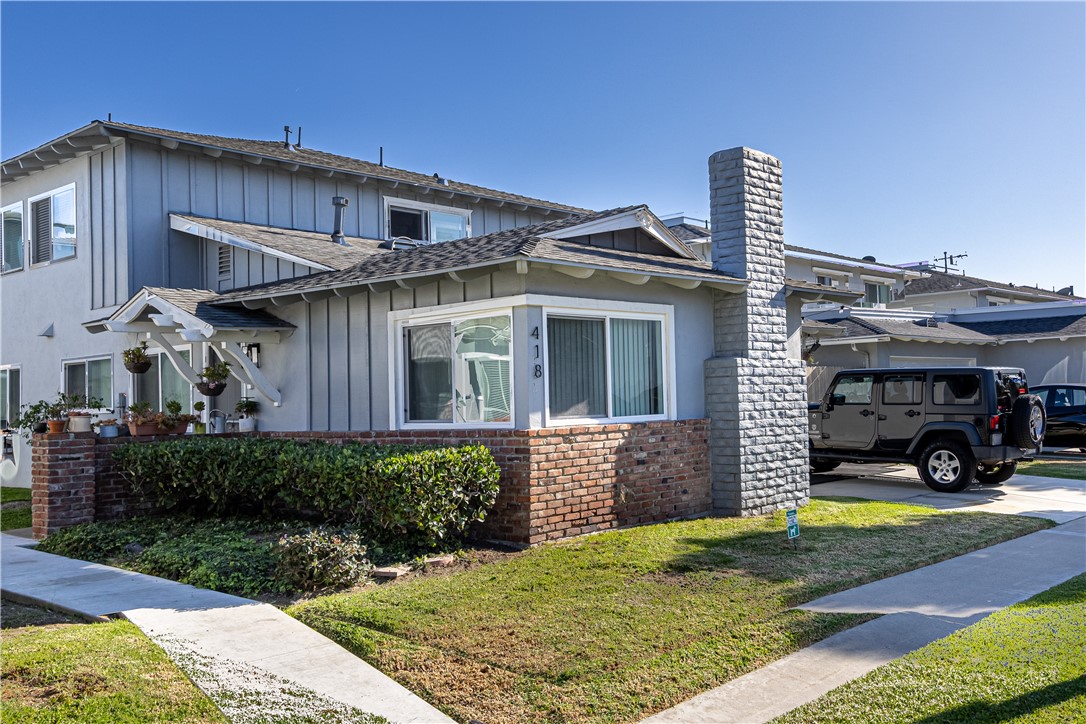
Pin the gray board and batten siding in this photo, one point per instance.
(165, 181)
(338, 359)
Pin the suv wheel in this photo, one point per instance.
(947, 466)
(996, 474)
(1028, 422)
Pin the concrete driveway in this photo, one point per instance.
(1058, 500)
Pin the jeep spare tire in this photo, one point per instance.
(947, 466)
(1028, 422)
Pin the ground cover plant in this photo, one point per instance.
(241, 556)
(615, 626)
(1024, 663)
(1067, 469)
(55, 669)
(16, 508)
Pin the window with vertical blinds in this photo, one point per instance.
(605, 368)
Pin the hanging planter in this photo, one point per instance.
(211, 389)
(136, 359)
(213, 379)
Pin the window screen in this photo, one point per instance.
(13, 239)
(429, 373)
(637, 367)
(405, 222)
(577, 384)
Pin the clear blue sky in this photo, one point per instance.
(905, 130)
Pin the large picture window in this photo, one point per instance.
(90, 379)
(52, 223)
(459, 371)
(13, 238)
(162, 383)
(609, 367)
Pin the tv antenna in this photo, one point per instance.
(948, 262)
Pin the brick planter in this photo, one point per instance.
(555, 482)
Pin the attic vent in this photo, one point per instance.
(929, 322)
(226, 259)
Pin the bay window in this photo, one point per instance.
(605, 367)
(458, 371)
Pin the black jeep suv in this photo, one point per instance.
(956, 424)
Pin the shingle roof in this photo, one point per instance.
(1063, 326)
(196, 303)
(527, 242)
(944, 332)
(312, 157)
(822, 288)
(943, 282)
(311, 245)
(690, 232)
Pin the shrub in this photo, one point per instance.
(413, 495)
(322, 558)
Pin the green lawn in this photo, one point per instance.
(1068, 469)
(615, 626)
(58, 671)
(15, 517)
(1026, 663)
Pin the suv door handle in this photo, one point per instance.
(866, 413)
(912, 413)
(882, 417)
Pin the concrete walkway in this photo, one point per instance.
(920, 606)
(253, 660)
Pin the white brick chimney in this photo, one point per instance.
(756, 397)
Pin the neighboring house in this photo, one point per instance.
(1048, 339)
(938, 291)
(506, 317)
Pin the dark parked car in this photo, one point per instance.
(955, 424)
(1066, 409)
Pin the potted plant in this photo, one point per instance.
(199, 427)
(107, 427)
(173, 421)
(136, 359)
(141, 419)
(32, 418)
(246, 408)
(78, 408)
(213, 379)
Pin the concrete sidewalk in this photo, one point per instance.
(920, 606)
(249, 657)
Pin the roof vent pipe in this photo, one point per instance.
(340, 202)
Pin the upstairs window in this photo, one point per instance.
(876, 294)
(13, 238)
(426, 222)
(52, 223)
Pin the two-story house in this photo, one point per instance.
(350, 297)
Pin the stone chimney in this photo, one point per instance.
(756, 397)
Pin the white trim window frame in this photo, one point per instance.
(459, 405)
(20, 246)
(106, 396)
(9, 403)
(160, 361)
(426, 212)
(663, 314)
(30, 224)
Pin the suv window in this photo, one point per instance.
(903, 389)
(853, 390)
(961, 389)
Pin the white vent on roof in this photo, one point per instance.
(226, 259)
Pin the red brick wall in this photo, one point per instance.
(555, 483)
(62, 481)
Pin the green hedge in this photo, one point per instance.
(407, 494)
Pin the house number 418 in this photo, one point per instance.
(538, 368)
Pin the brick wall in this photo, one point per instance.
(555, 483)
